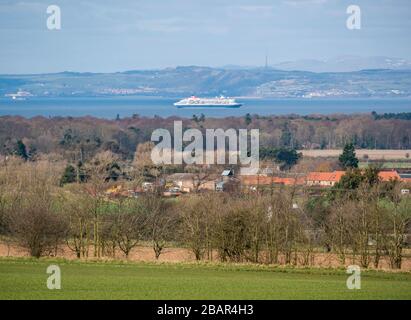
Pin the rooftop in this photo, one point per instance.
(325, 176)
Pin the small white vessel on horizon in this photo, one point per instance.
(20, 95)
(208, 102)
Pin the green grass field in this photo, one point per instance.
(26, 279)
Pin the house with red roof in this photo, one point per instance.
(320, 179)
(387, 176)
(324, 179)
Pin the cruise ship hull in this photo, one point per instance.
(234, 105)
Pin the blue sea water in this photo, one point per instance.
(109, 107)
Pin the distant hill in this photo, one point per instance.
(345, 64)
(206, 81)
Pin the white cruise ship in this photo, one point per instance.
(208, 102)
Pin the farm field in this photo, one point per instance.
(371, 153)
(26, 279)
(387, 165)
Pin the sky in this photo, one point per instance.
(119, 35)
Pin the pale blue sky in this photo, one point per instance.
(110, 35)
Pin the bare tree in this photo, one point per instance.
(97, 184)
(76, 208)
(257, 207)
(365, 220)
(194, 225)
(160, 222)
(398, 215)
(340, 227)
(35, 223)
(129, 224)
(9, 197)
(272, 233)
(233, 236)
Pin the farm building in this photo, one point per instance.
(389, 175)
(188, 182)
(324, 179)
(405, 177)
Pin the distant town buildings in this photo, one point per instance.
(180, 183)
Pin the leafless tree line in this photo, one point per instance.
(80, 139)
(281, 226)
(369, 226)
